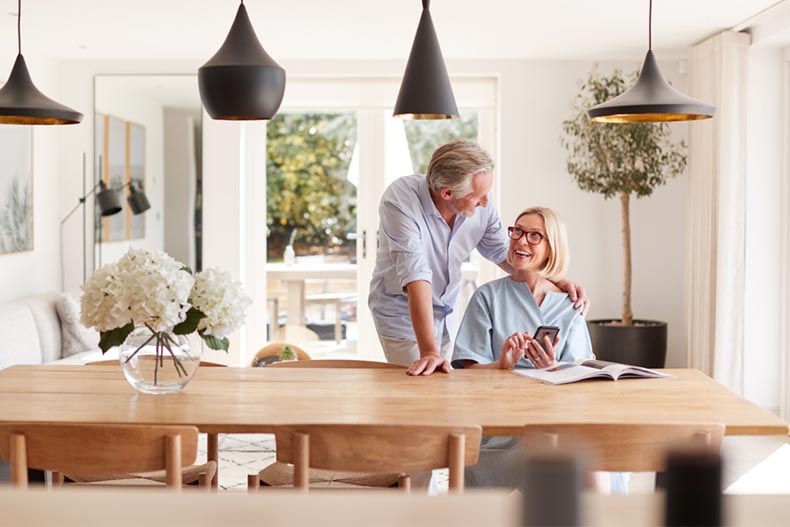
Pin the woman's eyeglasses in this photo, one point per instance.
(533, 237)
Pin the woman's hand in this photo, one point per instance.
(512, 350)
(540, 357)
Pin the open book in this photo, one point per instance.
(565, 372)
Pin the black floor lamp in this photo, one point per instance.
(109, 203)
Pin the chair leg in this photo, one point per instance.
(301, 445)
(404, 483)
(18, 461)
(173, 461)
(456, 462)
(57, 479)
(204, 481)
(213, 455)
(253, 482)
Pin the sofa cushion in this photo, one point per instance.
(48, 326)
(21, 344)
(76, 337)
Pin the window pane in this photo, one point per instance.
(426, 136)
(310, 200)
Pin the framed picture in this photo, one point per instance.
(16, 189)
(135, 173)
(114, 174)
(120, 159)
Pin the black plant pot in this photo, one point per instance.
(641, 345)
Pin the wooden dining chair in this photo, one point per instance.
(191, 473)
(281, 474)
(364, 448)
(338, 363)
(621, 447)
(274, 349)
(98, 449)
(111, 362)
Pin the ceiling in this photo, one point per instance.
(367, 29)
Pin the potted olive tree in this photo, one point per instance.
(621, 160)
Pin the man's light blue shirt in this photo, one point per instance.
(415, 243)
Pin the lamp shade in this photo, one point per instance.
(137, 200)
(425, 91)
(22, 103)
(108, 201)
(241, 81)
(651, 99)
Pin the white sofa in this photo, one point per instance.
(33, 332)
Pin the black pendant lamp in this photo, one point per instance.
(425, 92)
(241, 82)
(20, 100)
(651, 99)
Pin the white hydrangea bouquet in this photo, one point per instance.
(151, 289)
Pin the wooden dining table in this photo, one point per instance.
(255, 400)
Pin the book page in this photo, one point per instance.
(613, 368)
(562, 373)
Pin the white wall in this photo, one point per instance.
(534, 99)
(35, 271)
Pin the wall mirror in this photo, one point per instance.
(148, 135)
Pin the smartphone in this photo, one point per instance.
(546, 331)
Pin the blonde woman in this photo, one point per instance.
(501, 319)
(502, 315)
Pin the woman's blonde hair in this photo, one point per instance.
(559, 257)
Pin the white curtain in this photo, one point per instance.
(715, 239)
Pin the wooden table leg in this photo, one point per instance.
(213, 455)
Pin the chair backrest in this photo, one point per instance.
(618, 447)
(378, 448)
(110, 362)
(338, 363)
(97, 449)
(274, 349)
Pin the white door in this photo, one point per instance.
(385, 148)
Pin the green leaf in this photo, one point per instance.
(287, 353)
(114, 337)
(216, 343)
(190, 324)
(187, 269)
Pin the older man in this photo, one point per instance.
(428, 226)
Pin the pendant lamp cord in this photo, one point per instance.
(19, 26)
(650, 27)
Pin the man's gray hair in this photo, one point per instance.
(453, 165)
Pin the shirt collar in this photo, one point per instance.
(425, 198)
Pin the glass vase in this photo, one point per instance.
(158, 362)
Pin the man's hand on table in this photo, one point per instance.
(428, 364)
